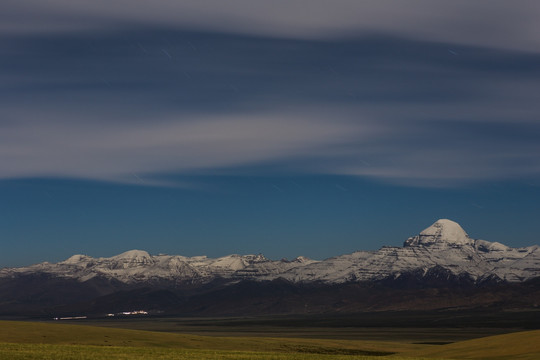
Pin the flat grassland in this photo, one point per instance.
(519, 345)
(30, 340)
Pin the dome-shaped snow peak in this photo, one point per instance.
(75, 259)
(443, 231)
(131, 258)
(133, 254)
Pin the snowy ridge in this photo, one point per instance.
(442, 245)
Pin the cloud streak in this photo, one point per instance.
(496, 23)
(156, 102)
(304, 141)
(114, 152)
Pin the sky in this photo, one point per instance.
(286, 128)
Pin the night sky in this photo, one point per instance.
(286, 128)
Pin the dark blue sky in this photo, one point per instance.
(292, 133)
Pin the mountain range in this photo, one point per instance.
(441, 257)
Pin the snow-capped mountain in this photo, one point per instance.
(444, 246)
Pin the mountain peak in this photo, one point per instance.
(75, 259)
(443, 231)
(133, 254)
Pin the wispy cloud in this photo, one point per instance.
(322, 141)
(112, 104)
(495, 23)
(115, 151)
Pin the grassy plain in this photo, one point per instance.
(31, 340)
(71, 352)
(518, 345)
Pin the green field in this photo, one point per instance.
(61, 352)
(29, 340)
(519, 345)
